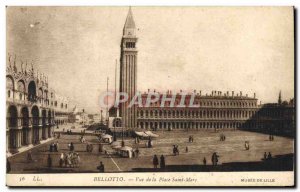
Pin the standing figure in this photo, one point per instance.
(265, 156)
(177, 150)
(66, 160)
(77, 160)
(186, 149)
(174, 150)
(101, 167)
(49, 161)
(214, 158)
(29, 157)
(269, 156)
(204, 161)
(155, 161)
(162, 162)
(100, 148)
(137, 151)
(8, 168)
(61, 160)
(71, 146)
(247, 147)
(51, 148)
(57, 146)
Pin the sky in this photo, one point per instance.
(247, 49)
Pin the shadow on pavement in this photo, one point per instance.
(277, 163)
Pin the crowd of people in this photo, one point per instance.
(70, 159)
(82, 139)
(54, 147)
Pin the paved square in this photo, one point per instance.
(205, 143)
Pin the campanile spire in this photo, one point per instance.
(128, 70)
(129, 27)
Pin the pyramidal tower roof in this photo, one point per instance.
(129, 23)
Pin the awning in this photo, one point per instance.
(116, 147)
(115, 143)
(151, 134)
(106, 136)
(141, 134)
(125, 148)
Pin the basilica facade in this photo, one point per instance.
(31, 107)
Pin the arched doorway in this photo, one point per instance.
(32, 91)
(12, 123)
(25, 126)
(35, 125)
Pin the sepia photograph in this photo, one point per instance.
(150, 96)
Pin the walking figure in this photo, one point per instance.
(155, 161)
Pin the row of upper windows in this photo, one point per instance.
(208, 103)
(197, 113)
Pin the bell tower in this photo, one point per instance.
(128, 71)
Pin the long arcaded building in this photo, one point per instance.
(216, 110)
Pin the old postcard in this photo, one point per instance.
(150, 96)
